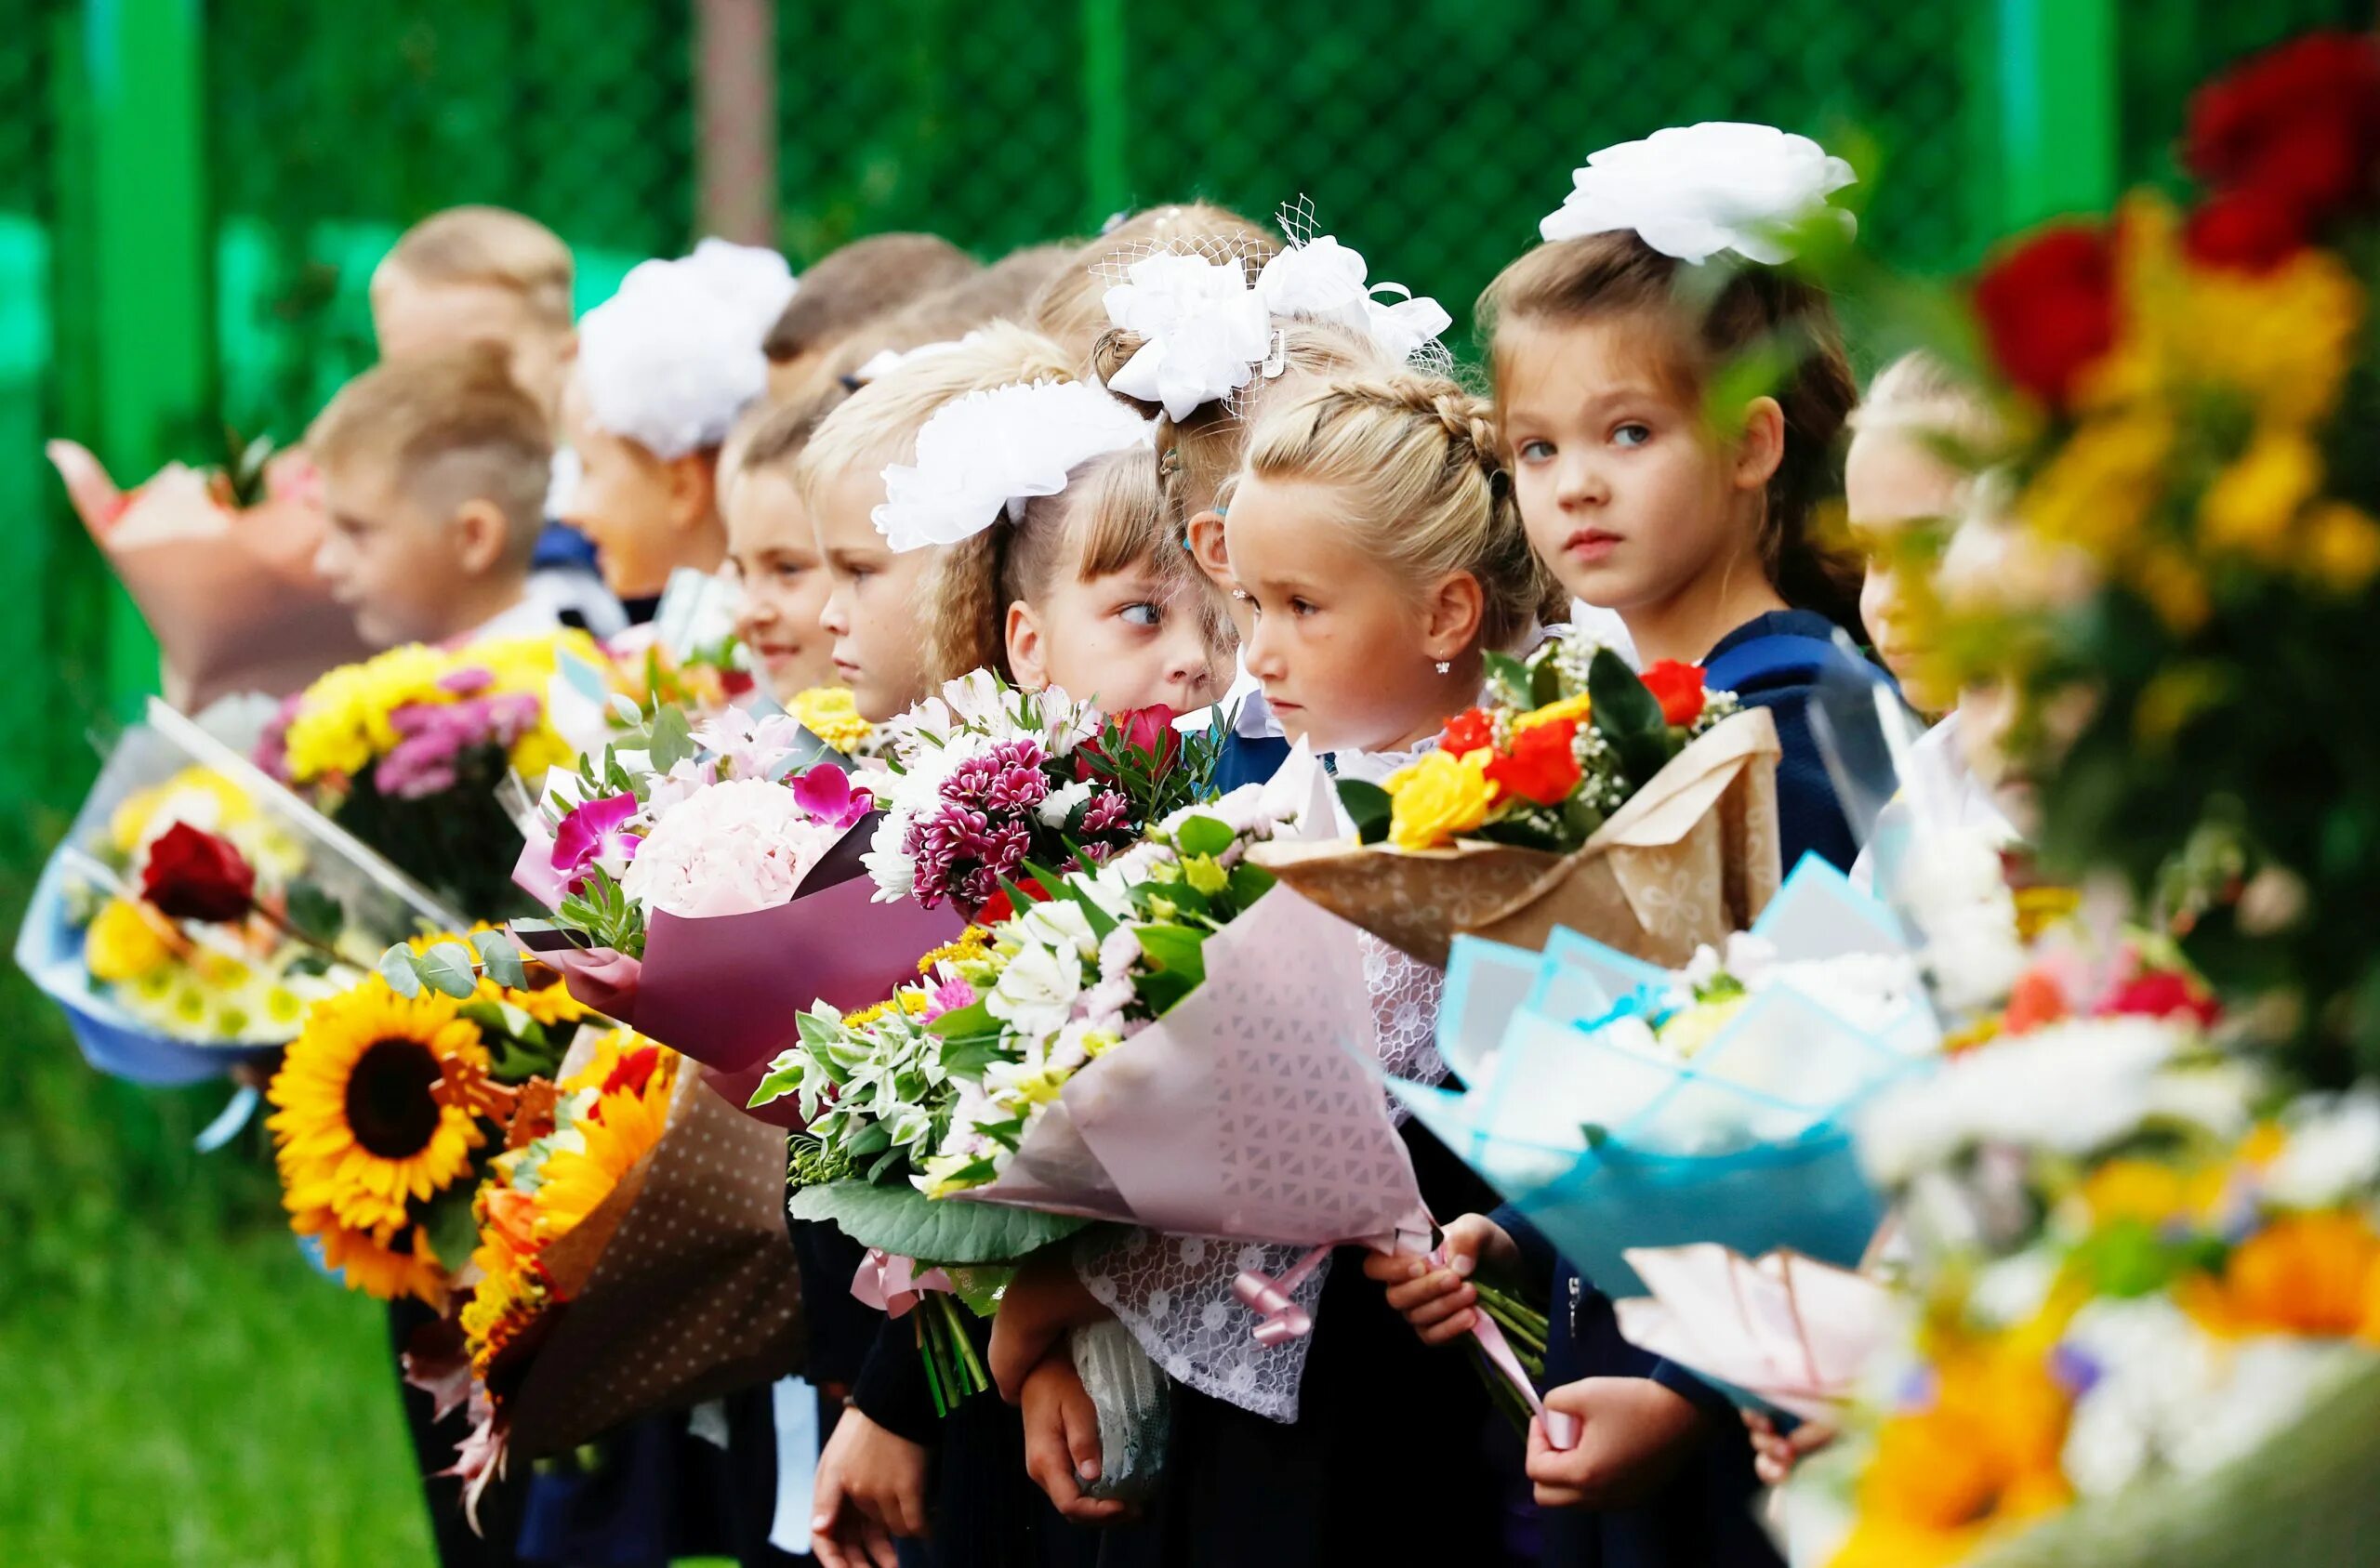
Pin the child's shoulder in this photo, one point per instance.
(1783, 654)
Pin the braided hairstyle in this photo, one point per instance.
(1427, 490)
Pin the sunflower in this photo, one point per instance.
(386, 1266)
(620, 1129)
(360, 1128)
(503, 1302)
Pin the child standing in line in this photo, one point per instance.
(481, 276)
(1695, 526)
(665, 366)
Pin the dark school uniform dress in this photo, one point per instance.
(1785, 661)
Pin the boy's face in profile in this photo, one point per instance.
(398, 569)
(412, 319)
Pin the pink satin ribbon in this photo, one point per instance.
(891, 1285)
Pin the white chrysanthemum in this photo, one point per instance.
(674, 356)
(2332, 1152)
(981, 453)
(735, 847)
(1692, 191)
(1203, 330)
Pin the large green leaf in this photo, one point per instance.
(1628, 717)
(901, 1220)
(1368, 806)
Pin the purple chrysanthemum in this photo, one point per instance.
(1107, 812)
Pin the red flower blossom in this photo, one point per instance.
(1148, 731)
(2245, 231)
(1541, 768)
(196, 876)
(2162, 994)
(2049, 308)
(2300, 123)
(1467, 731)
(635, 1071)
(1678, 688)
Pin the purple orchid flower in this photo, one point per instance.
(592, 834)
(826, 794)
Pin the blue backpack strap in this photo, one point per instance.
(1778, 659)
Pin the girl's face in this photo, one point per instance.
(1625, 497)
(1904, 500)
(872, 598)
(644, 516)
(1126, 640)
(775, 556)
(1344, 647)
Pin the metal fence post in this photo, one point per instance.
(2059, 92)
(140, 242)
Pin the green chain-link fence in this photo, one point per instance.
(1429, 134)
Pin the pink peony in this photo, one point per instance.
(735, 847)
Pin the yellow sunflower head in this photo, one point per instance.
(384, 1265)
(360, 1126)
(634, 1079)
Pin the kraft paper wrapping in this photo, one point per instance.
(681, 1287)
(1690, 858)
(231, 596)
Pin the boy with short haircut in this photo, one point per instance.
(484, 277)
(434, 474)
(847, 289)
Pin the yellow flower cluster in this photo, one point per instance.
(1438, 797)
(343, 723)
(832, 714)
(2270, 350)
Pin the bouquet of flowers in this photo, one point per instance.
(407, 751)
(631, 1258)
(1619, 1105)
(706, 888)
(195, 908)
(2192, 524)
(985, 777)
(388, 1107)
(221, 564)
(1144, 1042)
(1641, 811)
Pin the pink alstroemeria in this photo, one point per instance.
(826, 796)
(594, 835)
(947, 997)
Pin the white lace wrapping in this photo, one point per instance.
(1174, 1292)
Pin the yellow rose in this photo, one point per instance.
(124, 943)
(1554, 713)
(1438, 799)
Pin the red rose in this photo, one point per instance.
(2160, 993)
(2245, 231)
(1148, 731)
(2300, 123)
(1678, 688)
(1467, 731)
(1540, 767)
(2049, 308)
(196, 876)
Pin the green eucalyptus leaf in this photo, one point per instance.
(447, 969)
(502, 963)
(899, 1218)
(396, 968)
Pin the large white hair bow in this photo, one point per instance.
(1692, 191)
(1203, 330)
(1321, 280)
(674, 356)
(982, 453)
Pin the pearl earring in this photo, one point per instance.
(1445, 666)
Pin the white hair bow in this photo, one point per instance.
(1691, 192)
(674, 356)
(982, 455)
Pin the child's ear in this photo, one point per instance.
(1455, 609)
(1207, 546)
(692, 480)
(1763, 444)
(1025, 661)
(480, 536)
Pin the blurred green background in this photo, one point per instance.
(191, 197)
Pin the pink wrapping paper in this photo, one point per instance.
(231, 596)
(1790, 1330)
(1253, 1110)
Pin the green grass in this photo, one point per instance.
(203, 1402)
